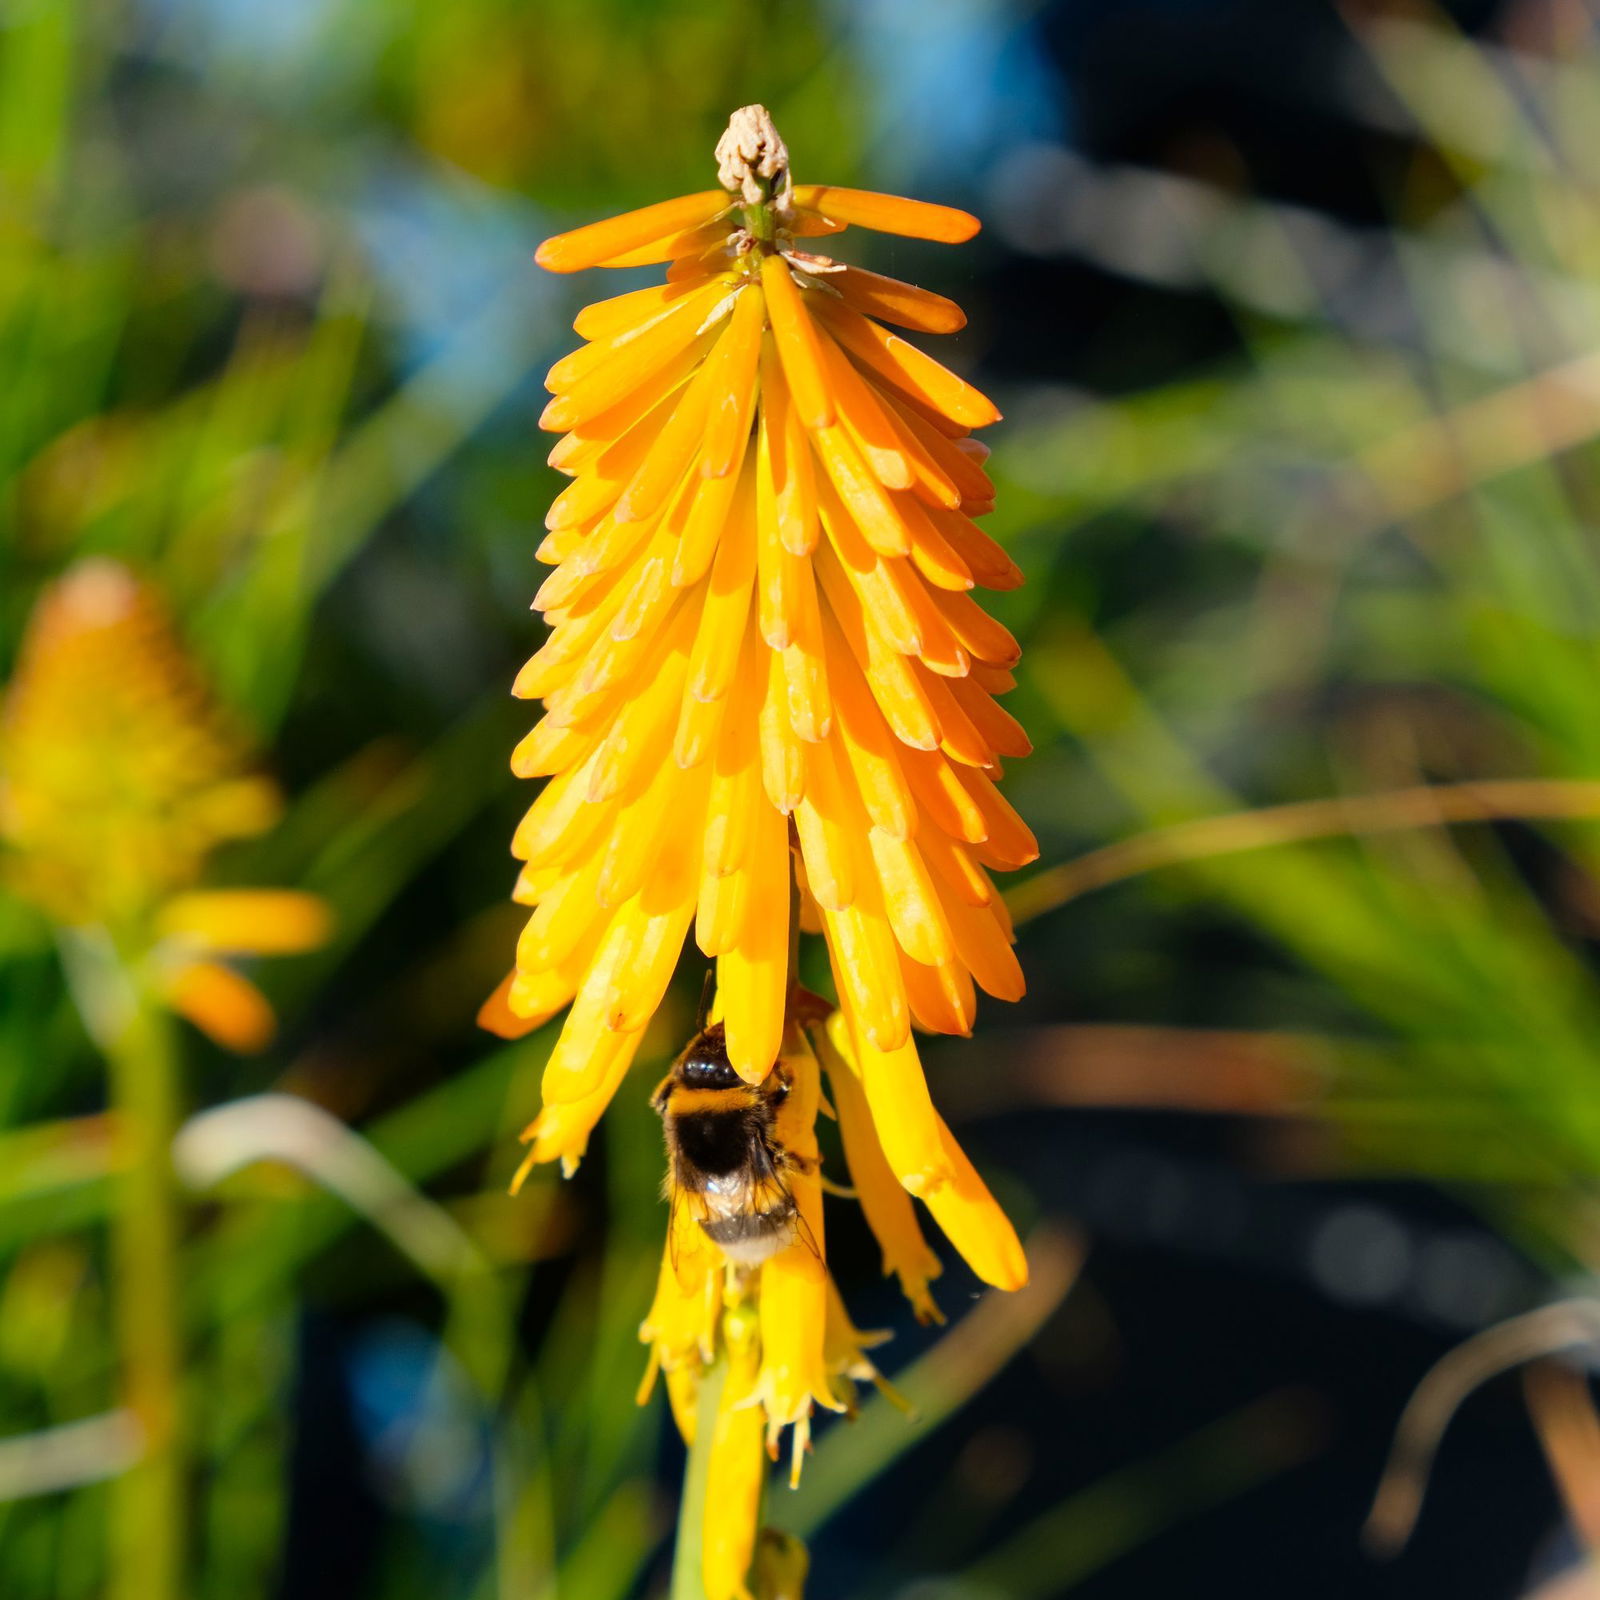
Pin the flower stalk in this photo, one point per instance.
(149, 1516)
(688, 1547)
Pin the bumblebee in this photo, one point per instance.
(724, 1158)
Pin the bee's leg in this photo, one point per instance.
(658, 1099)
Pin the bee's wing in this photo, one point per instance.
(770, 1191)
(780, 1184)
(675, 1200)
(802, 1228)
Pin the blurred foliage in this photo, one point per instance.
(273, 338)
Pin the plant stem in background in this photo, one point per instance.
(148, 1513)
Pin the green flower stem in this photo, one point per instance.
(687, 1582)
(148, 1512)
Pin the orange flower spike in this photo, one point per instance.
(761, 651)
(118, 776)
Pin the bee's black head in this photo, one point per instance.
(704, 1064)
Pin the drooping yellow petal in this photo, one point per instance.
(866, 966)
(753, 975)
(983, 558)
(999, 730)
(949, 455)
(793, 1293)
(935, 557)
(560, 817)
(825, 822)
(798, 344)
(673, 448)
(496, 1015)
(624, 313)
(718, 507)
(783, 768)
(959, 738)
(997, 680)
(884, 1201)
(897, 1095)
(945, 797)
(723, 617)
(732, 382)
(681, 1324)
(874, 577)
(895, 688)
(887, 213)
(1007, 839)
(565, 913)
(862, 416)
(905, 368)
(720, 911)
(868, 745)
(938, 648)
(627, 977)
(983, 946)
(246, 921)
(956, 866)
(974, 1223)
(626, 369)
(943, 999)
(683, 1398)
(222, 1004)
(861, 494)
(641, 737)
(911, 900)
(897, 302)
(788, 461)
(632, 856)
(600, 241)
(987, 639)
(561, 1130)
